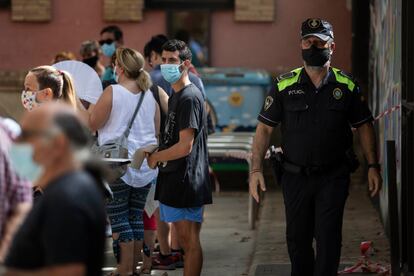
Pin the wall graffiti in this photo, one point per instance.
(385, 82)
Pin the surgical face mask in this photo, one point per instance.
(108, 49)
(29, 100)
(171, 72)
(116, 77)
(315, 56)
(21, 158)
(92, 61)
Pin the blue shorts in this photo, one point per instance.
(171, 214)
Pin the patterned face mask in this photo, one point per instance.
(29, 100)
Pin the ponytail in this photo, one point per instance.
(144, 80)
(133, 64)
(60, 82)
(68, 89)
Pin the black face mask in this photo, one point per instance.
(315, 56)
(92, 61)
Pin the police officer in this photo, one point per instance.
(316, 106)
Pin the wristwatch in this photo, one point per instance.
(374, 165)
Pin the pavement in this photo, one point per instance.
(361, 223)
(226, 238)
(232, 249)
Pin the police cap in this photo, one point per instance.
(317, 27)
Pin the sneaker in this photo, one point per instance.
(178, 259)
(163, 263)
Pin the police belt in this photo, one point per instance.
(306, 170)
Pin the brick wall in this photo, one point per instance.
(255, 10)
(31, 10)
(123, 10)
(11, 86)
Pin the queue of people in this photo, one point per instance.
(63, 233)
(163, 114)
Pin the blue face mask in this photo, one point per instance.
(108, 49)
(20, 156)
(171, 72)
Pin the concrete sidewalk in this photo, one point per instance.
(226, 239)
(361, 223)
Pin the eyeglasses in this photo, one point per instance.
(106, 41)
(27, 134)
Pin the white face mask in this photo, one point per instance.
(21, 158)
(29, 100)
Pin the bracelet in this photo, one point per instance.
(255, 171)
(374, 165)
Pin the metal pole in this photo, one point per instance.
(393, 208)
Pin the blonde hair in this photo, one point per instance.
(133, 64)
(60, 82)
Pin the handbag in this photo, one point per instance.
(117, 149)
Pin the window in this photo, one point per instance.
(192, 27)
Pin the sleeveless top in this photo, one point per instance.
(142, 133)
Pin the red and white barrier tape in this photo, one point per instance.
(386, 112)
(365, 265)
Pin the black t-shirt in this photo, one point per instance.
(65, 226)
(315, 122)
(188, 186)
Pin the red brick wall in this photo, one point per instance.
(273, 46)
(24, 45)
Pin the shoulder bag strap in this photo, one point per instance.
(128, 130)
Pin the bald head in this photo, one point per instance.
(54, 130)
(42, 118)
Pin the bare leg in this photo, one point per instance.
(174, 238)
(126, 263)
(189, 237)
(137, 253)
(149, 240)
(163, 230)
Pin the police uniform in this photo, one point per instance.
(316, 133)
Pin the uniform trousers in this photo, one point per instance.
(314, 207)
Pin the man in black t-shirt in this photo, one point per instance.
(64, 233)
(183, 186)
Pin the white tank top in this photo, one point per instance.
(142, 132)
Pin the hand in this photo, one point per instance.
(374, 181)
(152, 162)
(256, 179)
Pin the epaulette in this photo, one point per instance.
(288, 79)
(349, 76)
(344, 78)
(287, 75)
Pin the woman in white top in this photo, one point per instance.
(110, 117)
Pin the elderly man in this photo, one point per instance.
(15, 193)
(64, 233)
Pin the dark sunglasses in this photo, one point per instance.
(106, 41)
